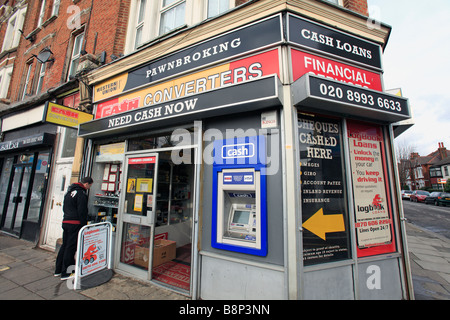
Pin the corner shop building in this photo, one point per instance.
(255, 163)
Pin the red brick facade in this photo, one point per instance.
(359, 6)
(104, 25)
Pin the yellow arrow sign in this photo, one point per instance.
(321, 224)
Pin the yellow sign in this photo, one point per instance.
(321, 224)
(65, 116)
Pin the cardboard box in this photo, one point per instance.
(141, 256)
(163, 251)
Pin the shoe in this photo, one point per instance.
(57, 274)
(67, 276)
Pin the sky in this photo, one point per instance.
(417, 60)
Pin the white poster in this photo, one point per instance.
(94, 249)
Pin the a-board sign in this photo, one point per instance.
(94, 250)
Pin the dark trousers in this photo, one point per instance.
(66, 254)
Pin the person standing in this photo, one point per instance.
(75, 210)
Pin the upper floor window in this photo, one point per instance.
(27, 80)
(173, 14)
(41, 13)
(150, 19)
(55, 8)
(76, 54)
(216, 7)
(5, 79)
(12, 35)
(140, 23)
(41, 78)
(337, 2)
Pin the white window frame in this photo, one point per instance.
(195, 12)
(12, 35)
(55, 7)
(27, 80)
(168, 8)
(337, 2)
(140, 24)
(75, 56)
(208, 3)
(41, 14)
(5, 76)
(41, 78)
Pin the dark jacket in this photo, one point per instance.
(76, 205)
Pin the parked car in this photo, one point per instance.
(433, 198)
(406, 194)
(444, 199)
(419, 196)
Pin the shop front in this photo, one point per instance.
(256, 164)
(25, 169)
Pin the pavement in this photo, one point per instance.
(26, 273)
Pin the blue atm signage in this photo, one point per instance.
(240, 151)
(235, 151)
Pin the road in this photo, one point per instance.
(430, 217)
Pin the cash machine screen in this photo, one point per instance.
(241, 217)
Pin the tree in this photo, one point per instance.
(405, 163)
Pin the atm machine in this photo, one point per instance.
(239, 213)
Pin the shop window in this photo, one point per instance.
(69, 143)
(162, 140)
(38, 190)
(72, 101)
(4, 180)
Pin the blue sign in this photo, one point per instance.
(235, 151)
(240, 151)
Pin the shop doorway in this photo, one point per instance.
(16, 205)
(156, 212)
(63, 172)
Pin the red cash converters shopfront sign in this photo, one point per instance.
(234, 72)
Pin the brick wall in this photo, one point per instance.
(359, 6)
(105, 30)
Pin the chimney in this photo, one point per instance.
(442, 151)
(414, 155)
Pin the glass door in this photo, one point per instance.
(17, 199)
(137, 213)
(172, 246)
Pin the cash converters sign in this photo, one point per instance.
(234, 72)
(212, 51)
(65, 116)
